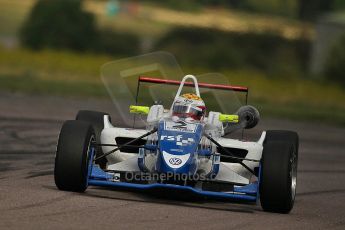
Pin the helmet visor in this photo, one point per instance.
(184, 111)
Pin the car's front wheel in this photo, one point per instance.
(278, 177)
(73, 156)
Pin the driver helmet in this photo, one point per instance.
(189, 106)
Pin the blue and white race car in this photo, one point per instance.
(183, 148)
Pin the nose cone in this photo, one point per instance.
(177, 147)
(171, 163)
(177, 156)
(175, 161)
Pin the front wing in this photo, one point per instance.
(98, 177)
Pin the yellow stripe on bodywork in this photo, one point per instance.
(228, 118)
(139, 109)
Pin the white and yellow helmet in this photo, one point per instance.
(189, 105)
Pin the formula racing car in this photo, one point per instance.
(183, 148)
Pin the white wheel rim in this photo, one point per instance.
(293, 174)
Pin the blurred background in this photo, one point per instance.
(290, 53)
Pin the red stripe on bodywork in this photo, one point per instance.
(201, 85)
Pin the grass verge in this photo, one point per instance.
(70, 74)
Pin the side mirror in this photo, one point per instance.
(228, 118)
(139, 109)
(249, 116)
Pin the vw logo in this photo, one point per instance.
(175, 161)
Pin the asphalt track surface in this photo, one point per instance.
(29, 127)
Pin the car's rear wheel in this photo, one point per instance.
(96, 119)
(73, 155)
(278, 177)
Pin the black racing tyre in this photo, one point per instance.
(278, 177)
(282, 135)
(96, 119)
(73, 156)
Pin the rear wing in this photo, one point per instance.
(190, 84)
